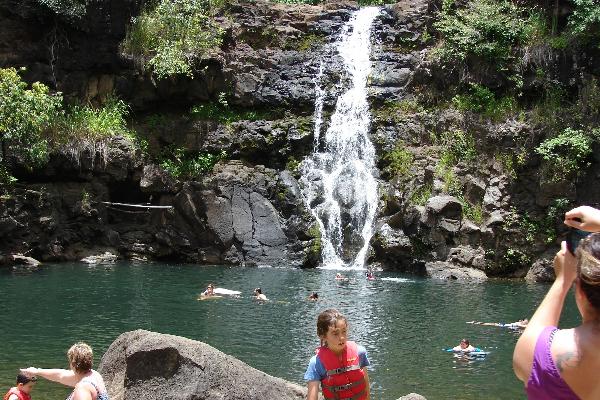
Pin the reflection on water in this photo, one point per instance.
(403, 321)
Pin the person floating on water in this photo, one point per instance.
(22, 391)
(86, 382)
(314, 296)
(520, 324)
(464, 346)
(563, 363)
(340, 277)
(369, 275)
(340, 365)
(210, 290)
(258, 295)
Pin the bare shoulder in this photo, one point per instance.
(82, 392)
(565, 352)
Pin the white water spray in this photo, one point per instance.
(337, 180)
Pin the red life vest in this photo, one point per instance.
(18, 393)
(345, 378)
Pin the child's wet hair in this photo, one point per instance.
(328, 318)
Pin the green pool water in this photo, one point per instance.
(404, 322)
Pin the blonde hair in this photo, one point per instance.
(81, 357)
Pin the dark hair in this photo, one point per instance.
(465, 341)
(588, 268)
(258, 290)
(81, 357)
(327, 318)
(24, 379)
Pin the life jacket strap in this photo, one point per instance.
(342, 370)
(347, 386)
(357, 396)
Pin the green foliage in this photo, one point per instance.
(6, 178)
(292, 165)
(511, 161)
(170, 37)
(457, 146)
(314, 251)
(25, 114)
(399, 160)
(83, 122)
(85, 199)
(221, 112)
(445, 172)
(548, 111)
(69, 9)
(482, 100)
(398, 110)
(585, 19)
(183, 165)
(473, 212)
(567, 153)
(554, 216)
(488, 29)
(516, 258)
(304, 43)
(420, 196)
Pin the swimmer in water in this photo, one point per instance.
(520, 324)
(464, 346)
(258, 295)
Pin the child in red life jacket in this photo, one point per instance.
(340, 366)
(23, 389)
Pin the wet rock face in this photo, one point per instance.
(147, 365)
(240, 217)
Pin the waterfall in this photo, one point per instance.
(337, 181)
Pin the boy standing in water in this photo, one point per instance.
(340, 366)
(23, 389)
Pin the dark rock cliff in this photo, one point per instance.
(249, 209)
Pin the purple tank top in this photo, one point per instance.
(545, 382)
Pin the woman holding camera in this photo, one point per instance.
(564, 363)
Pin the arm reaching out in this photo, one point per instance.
(63, 376)
(585, 218)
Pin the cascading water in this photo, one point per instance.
(337, 180)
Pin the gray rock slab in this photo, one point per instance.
(153, 366)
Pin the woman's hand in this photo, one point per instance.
(565, 265)
(585, 218)
(29, 372)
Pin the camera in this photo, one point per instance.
(574, 236)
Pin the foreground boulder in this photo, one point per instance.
(153, 366)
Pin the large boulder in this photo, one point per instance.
(542, 270)
(154, 366)
(452, 272)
